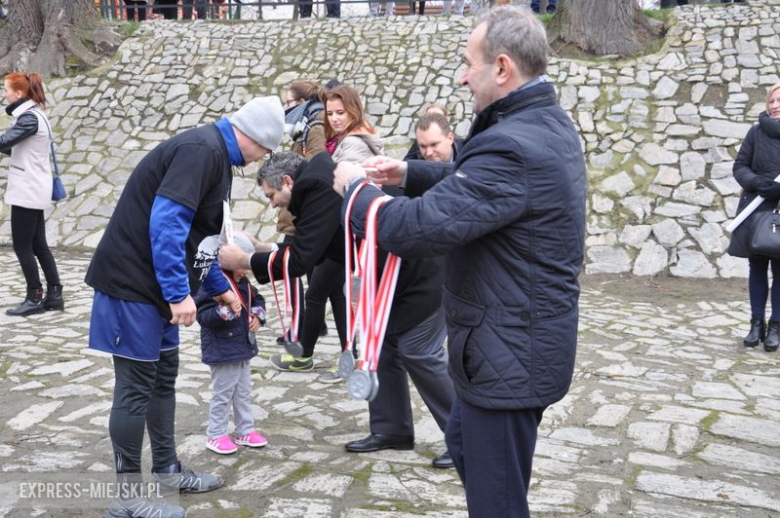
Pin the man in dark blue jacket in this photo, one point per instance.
(509, 216)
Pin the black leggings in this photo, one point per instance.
(758, 286)
(144, 396)
(28, 232)
(327, 282)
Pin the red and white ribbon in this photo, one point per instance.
(292, 293)
(246, 304)
(350, 248)
(376, 298)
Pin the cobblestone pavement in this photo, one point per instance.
(668, 416)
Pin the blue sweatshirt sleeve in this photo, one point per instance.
(215, 283)
(169, 226)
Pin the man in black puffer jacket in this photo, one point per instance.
(509, 217)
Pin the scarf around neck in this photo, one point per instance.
(229, 136)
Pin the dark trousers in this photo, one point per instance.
(131, 9)
(418, 352)
(201, 6)
(144, 396)
(493, 451)
(551, 5)
(422, 7)
(758, 286)
(305, 8)
(334, 8)
(168, 8)
(28, 233)
(326, 282)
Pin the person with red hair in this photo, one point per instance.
(29, 189)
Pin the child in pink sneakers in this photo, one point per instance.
(227, 345)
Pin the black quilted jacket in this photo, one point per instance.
(509, 217)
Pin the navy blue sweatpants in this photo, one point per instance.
(493, 452)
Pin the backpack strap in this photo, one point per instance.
(51, 141)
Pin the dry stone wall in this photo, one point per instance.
(660, 132)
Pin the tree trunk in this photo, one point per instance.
(603, 27)
(53, 37)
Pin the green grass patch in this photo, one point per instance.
(662, 15)
(546, 18)
(127, 29)
(4, 368)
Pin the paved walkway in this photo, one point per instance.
(668, 416)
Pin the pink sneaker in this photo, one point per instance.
(253, 439)
(223, 445)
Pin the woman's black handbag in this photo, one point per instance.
(765, 239)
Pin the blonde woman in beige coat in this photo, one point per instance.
(29, 189)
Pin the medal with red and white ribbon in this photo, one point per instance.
(374, 304)
(352, 280)
(246, 304)
(292, 302)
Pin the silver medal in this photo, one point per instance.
(346, 364)
(293, 348)
(359, 385)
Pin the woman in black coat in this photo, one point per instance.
(756, 166)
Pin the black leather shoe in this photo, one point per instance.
(443, 461)
(772, 340)
(376, 442)
(757, 332)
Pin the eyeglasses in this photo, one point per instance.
(291, 102)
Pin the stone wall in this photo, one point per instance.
(660, 133)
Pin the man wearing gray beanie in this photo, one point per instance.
(144, 272)
(262, 120)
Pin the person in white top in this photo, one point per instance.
(29, 190)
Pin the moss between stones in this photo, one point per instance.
(296, 475)
(363, 475)
(708, 421)
(4, 368)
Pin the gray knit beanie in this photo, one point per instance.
(262, 120)
(244, 243)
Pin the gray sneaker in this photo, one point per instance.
(144, 508)
(331, 376)
(289, 363)
(134, 500)
(190, 481)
